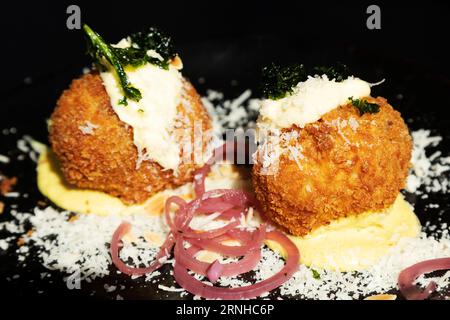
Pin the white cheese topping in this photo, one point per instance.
(309, 101)
(153, 117)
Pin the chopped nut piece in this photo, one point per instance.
(6, 185)
(73, 218)
(382, 297)
(177, 63)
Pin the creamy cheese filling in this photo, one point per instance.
(309, 101)
(153, 117)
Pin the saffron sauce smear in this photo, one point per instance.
(230, 204)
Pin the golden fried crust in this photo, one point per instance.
(346, 169)
(106, 160)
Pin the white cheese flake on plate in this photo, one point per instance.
(80, 247)
(4, 159)
(170, 289)
(427, 171)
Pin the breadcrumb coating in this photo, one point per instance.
(105, 159)
(344, 164)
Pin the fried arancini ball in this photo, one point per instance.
(106, 159)
(346, 164)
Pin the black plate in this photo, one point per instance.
(416, 88)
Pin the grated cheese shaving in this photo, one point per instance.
(429, 172)
(80, 247)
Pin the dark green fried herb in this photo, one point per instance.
(339, 72)
(100, 51)
(364, 106)
(316, 274)
(136, 55)
(152, 39)
(279, 81)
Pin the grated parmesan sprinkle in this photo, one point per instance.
(88, 128)
(80, 247)
(4, 159)
(170, 289)
(238, 113)
(429, 172)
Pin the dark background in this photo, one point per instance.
(224, 41)
(36, 42)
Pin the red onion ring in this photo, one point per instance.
(242, 235)
(410, 274)
(218, 154)
(191, 233)
(199, 288)
(233, 251)
(214, 271)
(199, 179)
(186, 213)
(164, 252)
(186, 257)
(232, 213)
(238, 196)
(200, 174)
(213, 205)
(230, 204)
(181, 204)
